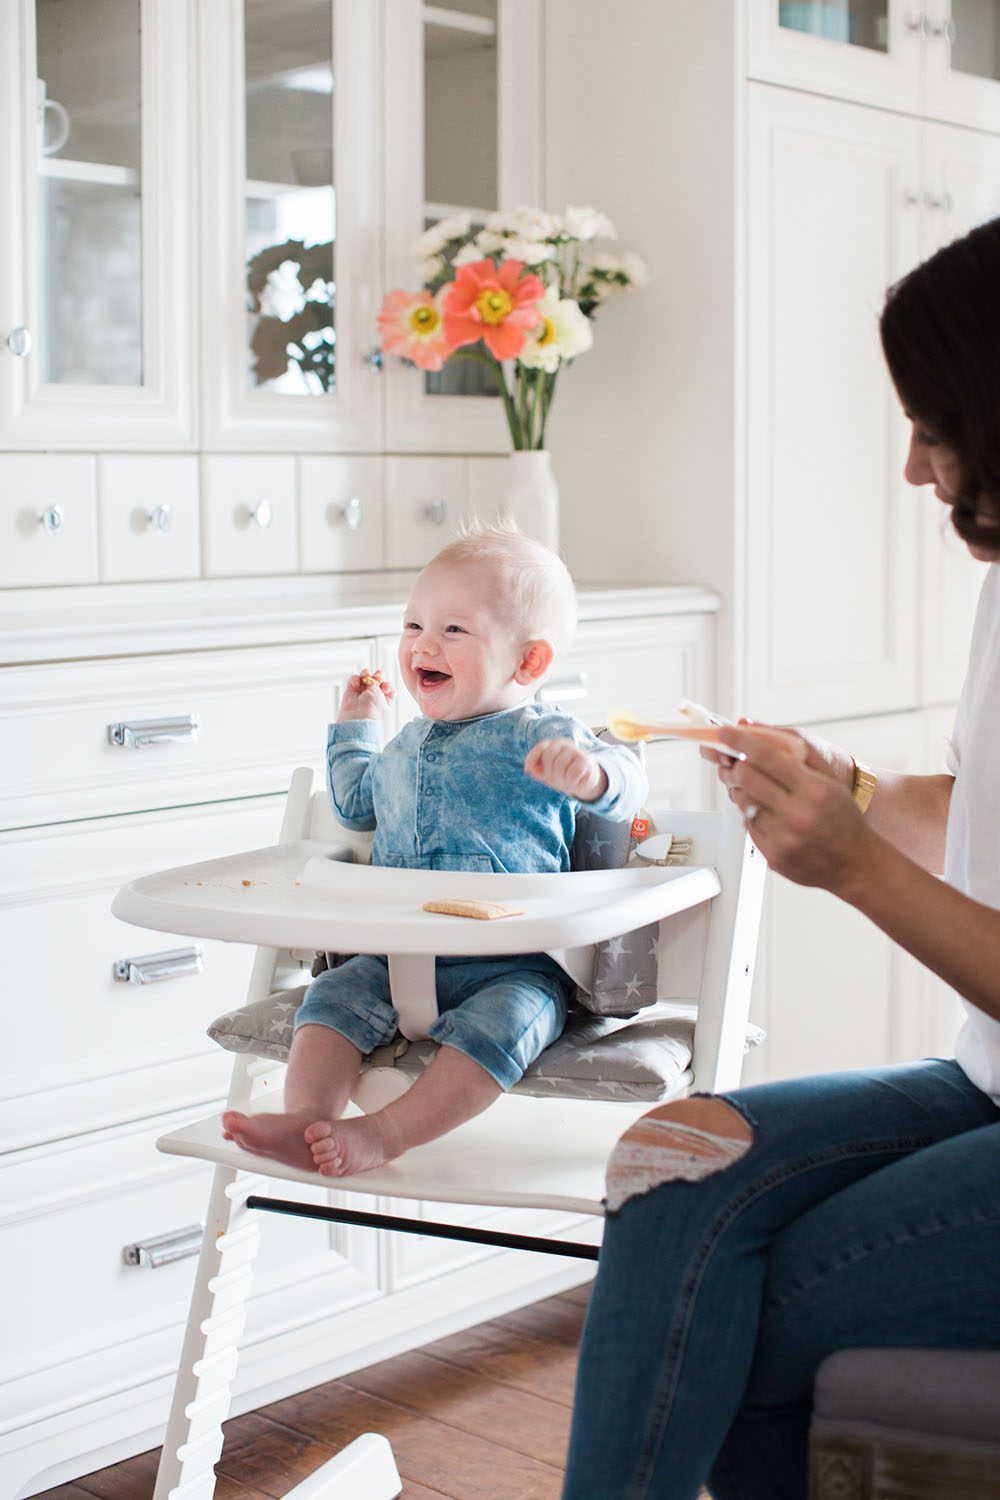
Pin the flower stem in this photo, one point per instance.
(510, 411)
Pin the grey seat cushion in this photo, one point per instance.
(644, 1060)
(912, 1393)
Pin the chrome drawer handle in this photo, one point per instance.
(152, 967)
(161, 519)
(164, 1249)
(563, 689)
(134, 734)
(436, 512)
(52, 519)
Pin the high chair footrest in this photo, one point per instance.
(430, 1228)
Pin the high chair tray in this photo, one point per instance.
(521, 1153)
(301, 895)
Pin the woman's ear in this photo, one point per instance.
(536, 659)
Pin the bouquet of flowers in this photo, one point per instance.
(520, 294)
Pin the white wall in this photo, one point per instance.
(645, 484)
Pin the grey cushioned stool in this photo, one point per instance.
(910, 1424)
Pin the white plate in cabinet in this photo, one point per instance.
(91, 739)
(48, 519)
(248, 514)
(91, 1339)
(341, 514)
(106, 1020)
(148, 506)
(425, 502)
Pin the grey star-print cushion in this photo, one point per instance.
(646, 1059)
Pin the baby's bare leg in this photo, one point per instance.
(452, 1090)
(322, 1068)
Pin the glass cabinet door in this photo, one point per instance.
(869, 51)
(290, 203)
(462, 137)
(963, 63)
(95, 271)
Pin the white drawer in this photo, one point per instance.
(341, 514)
(149, 516)
(84, 1049)
(249, 523)
(83, 1325)
(425, 502)
(48, 519)
(259, 713)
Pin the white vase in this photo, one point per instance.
(532, 496)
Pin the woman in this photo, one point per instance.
(751, 1234)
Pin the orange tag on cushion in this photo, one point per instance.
(640, 828)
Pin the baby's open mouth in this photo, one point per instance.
(427, 678)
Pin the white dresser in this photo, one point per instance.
(139, 735)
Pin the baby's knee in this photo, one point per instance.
(684, 1141)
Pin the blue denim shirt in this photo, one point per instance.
(455, 796)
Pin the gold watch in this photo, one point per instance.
(863, 785)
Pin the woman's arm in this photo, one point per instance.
(809, 829)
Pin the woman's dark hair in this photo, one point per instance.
(941, 337)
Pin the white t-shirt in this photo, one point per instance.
(972, 850)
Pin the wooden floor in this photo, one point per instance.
(482, 1415)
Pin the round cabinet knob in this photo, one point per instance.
(436, 512)
(52, 519)
(19, 341)
(947, 30)
(353, 513)
(374, 359)
(161, 519)
(261, 514)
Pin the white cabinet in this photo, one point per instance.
(940, 58)
(210, 208)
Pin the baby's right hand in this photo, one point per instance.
(366, 695)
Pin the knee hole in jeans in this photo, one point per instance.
(683, 1141)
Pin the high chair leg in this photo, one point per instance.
(201, 1398)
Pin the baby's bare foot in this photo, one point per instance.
(342, 1147)
(277, 1136)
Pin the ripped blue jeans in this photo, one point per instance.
(863, 1212)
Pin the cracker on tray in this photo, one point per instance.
(483, 911)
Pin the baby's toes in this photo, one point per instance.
(319, 1130)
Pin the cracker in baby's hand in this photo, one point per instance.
(484, 911)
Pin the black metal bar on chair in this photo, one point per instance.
(420, 1226)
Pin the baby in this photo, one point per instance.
(487, 778)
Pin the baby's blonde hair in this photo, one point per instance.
(536, 590)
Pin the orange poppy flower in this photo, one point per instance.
(412, 326)
(494, 303)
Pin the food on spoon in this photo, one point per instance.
(624, 727)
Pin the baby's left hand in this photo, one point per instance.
(567, 768)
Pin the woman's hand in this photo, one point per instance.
(366, 695)
(795, 796)
(563, 765)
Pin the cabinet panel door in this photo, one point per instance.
(870, 51)
(832, 991)
(96, 260)
(290, 235)
(831, 530)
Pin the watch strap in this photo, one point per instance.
(863, 786)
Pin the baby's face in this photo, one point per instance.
(460, 652)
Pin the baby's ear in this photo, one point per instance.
(536, 659)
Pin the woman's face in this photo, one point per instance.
(931, 461)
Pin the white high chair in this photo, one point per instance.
(525, 1151)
